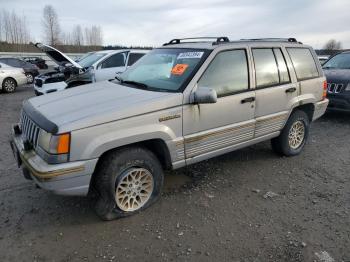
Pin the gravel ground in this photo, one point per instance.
(249, 205)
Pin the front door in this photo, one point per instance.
(212, 129)
(111, 66)
(275, 92)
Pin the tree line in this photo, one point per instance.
(15, 33)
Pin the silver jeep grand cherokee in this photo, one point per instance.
(182, 103)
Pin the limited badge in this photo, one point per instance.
(179, 69)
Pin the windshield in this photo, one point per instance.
(341, 61)
(89, 59)
(164, 69)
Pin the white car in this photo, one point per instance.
(11, 77)
(92, 67)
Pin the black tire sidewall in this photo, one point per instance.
(30, 74)
(296, 116)
(112, 168)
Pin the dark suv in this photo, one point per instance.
(30, 70)
(337, 71)
(39, 62)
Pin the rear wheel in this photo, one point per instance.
(30, 78)
(9, 85)
(294, 135)
(127, 181)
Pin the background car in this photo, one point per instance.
(39, 62)
(91, 67)
(30, 70)
(337, 71)
(323, 58)
(11, 77)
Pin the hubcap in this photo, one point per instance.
(296, 134)
(134, 189)
(29, 78)
(9, 85)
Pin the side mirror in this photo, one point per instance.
(204, 96)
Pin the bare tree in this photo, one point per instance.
(93, 36)
(14, 29)
(77, 36)
(51, 25)
(332, 44)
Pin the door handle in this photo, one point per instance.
(291, 90)
(248, 99)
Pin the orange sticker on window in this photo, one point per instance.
(179, 69)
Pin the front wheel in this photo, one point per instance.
(127, 181)
(294, 135)
(9, 85)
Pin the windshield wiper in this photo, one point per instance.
(139, 84)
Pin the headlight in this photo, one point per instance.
(347, 87)
(54, 148)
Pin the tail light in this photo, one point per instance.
(324, 95)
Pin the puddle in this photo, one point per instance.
(175, 182)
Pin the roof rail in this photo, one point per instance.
(218, 40)
(290, 40)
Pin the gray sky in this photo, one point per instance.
(154, 22)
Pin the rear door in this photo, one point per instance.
(111, 66)
(308, 72)
(275, 91)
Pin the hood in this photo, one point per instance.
(56, 55)
(337, 75)
(98, 103)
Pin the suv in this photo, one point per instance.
(39, 62)
(180, 104)
(30, 70)
(337, 71)
(92, 67)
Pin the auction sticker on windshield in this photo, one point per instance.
(179, 69)
(187, 55)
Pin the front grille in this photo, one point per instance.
(38, 82)
(335, 88)
(30, 131)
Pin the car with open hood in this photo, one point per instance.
(92, 67)
(337, 71)
(185, 102)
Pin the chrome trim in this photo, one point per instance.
(335, 88)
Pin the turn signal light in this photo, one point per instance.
(63, 144)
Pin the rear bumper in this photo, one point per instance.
(320, 108)
(72, 178)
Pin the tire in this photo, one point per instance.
(115, 171)
(30, 78)
(286, 143)
(9, 85)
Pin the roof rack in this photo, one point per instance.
(290, 40)
(218, 40)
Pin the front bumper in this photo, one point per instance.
(339, 102)
(320, 108)
(72, 178)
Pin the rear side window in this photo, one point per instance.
(266, 70)
(133, 57)
(303, 62)
(227, 73)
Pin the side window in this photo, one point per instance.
(303, 62)
(133, 57)
(227, 73)
(282, 66)
(266, 71)
(114, 61)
